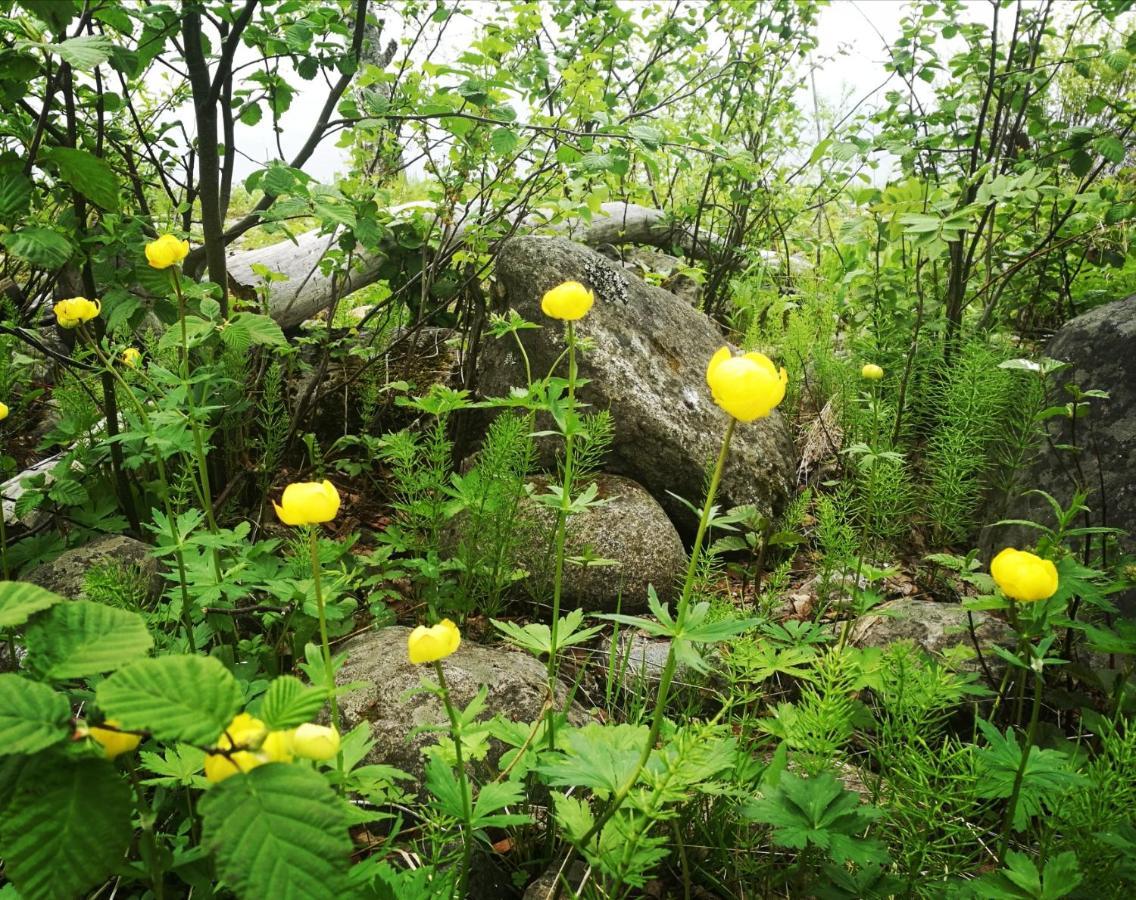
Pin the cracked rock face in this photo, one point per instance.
(1101, 349)
(647, 365)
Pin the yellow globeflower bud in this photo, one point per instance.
(166, 251)
(872, 372)
(568, 301)
(131, 357)
(748, 387)
(308, 503)
(427, 645)
(313, 741)
(1023, 576)
(3, 411)
(114, 743)
(278, 747)
(74, 312)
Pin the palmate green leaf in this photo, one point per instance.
(279, 831)
(20, 600)
(32, 715)
(175, 698)
(88, 174)
(494, 797)
(68, 826)
(289, 702)
(82, 638)
(600, 757)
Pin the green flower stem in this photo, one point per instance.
(463, 781)
(561, 533)
(325, 644)
(3, 541)
(149, 843)
(194, 425)
(144, 420)
(672, 658)
(1019, 776)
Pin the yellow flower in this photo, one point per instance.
(243, 736)
(748, 387)
(872, 372)
(3, 411)
(277, 747)
(315, 742)
(430, 644)
(308, 503)
(568, 301)
(74, 312)
(218, 767)
(166, 251)
(131, 357)
(114, 743)
(1023, 576)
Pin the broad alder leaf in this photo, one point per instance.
(175, 698)
(32, 715)
(44, 248)
(88, 174)
(83, 638)
(289, 702)
(67, 828)
(279, 831)
(19, 600)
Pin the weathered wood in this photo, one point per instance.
(307, 290)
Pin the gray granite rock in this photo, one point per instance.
(66, 575)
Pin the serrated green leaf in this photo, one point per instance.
(20, 600)
(32, 715)
(90, 176)
(84, 52)
(1110, 147)
(289, 702)
(82, 638)
(279, 831)
(176, 698)
(42, 247)
(245, 329)
(15, 194)
(67, 828)
(503, 141)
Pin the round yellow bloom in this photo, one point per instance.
(312, 741)
(131, 357)
(166, 251)
(748, 387)
(74, 312)
(114, 743)
(427, 645)
(1023, 576)
(218, 767)
(3, 411)
(568, 301)
(243, 736)
(277, 746)
(308, 503)
(872, 372)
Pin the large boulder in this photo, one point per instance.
(941, 629)
(627, 527)
(129, 561)
(647, 365)
(517, 684)
(1099, 347)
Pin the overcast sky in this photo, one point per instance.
(853, 36)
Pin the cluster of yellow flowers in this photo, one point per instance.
(247, 743)
(161, 253)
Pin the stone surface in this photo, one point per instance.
(936, 627)
(647, 366)
(630, 528)
(517, 684)
(67, 573)
(640, 660)
(1101, 347)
